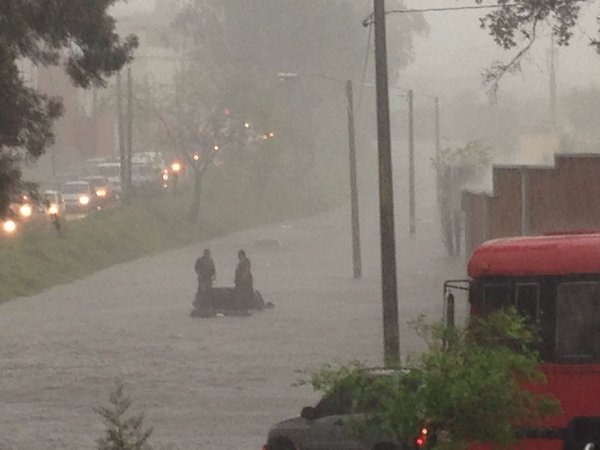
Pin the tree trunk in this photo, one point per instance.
(197, 193)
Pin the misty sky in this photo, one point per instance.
(454, 53)
(457, 50)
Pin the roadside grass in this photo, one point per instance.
(38, 259)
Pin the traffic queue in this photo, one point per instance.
(96, 187)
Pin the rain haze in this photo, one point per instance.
(229, 130)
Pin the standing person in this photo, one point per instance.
(244, 284)
(205, 269)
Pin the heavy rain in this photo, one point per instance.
(218, 215)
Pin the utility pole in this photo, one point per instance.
(438, 148)
(121, 132)
(553, 97)
(391, 335)
(411, 164)
(129, 131)
(94, 121)
(355, 220)
(438, 154)
(356, 250)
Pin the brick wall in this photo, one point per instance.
(78, 133)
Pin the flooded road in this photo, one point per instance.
(207, 383)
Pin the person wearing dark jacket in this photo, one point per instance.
(244, 284)
(205, 269)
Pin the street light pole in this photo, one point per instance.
(411, 165)
(129, 147)
(355, 217)
(121, 135)
(356, 250)
(391, 335)
(438, 152)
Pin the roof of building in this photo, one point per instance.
(555, 254)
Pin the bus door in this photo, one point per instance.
(456, 292)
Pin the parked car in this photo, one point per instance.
(79, 196)
(54, 203)
(328, 425)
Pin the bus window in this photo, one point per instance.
(495, 297)
(527, 302)
(578, 321)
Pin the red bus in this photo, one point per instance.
(554, 281)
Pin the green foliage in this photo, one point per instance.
(469, 386)
(78, 33)
(518, 23)
(123, 431)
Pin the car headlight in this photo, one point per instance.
(9, 226)
(84, 200)
(25, 210)
(101, 192)
(53, 209)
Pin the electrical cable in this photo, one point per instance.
(368, 21)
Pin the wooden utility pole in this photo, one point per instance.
(356, 250)
(129, 131)
(94, 121)
(552, 87)
(411, 165)
(438, 155)
(391, 335)
(438, 148)
(121, 132)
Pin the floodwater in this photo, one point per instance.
(207, 383)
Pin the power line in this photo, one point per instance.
(449, 8)
(369, 20)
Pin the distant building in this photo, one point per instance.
(89, 127)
